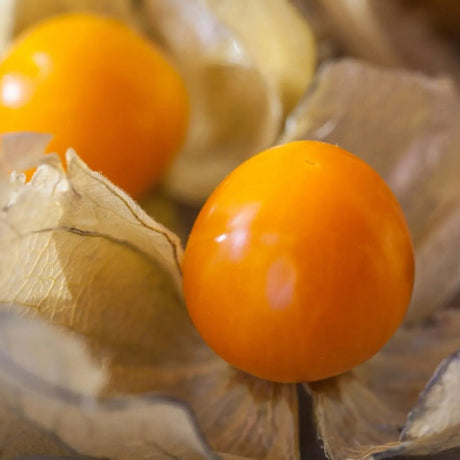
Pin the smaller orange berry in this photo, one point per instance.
(99, 87)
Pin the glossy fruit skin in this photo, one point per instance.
(100, 88)
(300, 265)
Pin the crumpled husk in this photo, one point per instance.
(445, 14)
(405, 126)
(368, 412)
(79, 253)
(48, 402)
(389, 33)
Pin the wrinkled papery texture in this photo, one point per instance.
(387, 33)
(32, 348)
(44, 389)
(405, 126)
(277, 38)
(6, 24)
(245, 65)
(238, 413)
(81, 254)
(364, 412)
(445, 15)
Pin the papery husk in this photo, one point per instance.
(239, 96)
(405, 126)
(444, 14)
(49, 404)
(81, 254)
(21, 151)
(6, 24)
(365, 412)
(389, 33)
(277, 38)
(239, 414)
(27, 349)
(434, 423)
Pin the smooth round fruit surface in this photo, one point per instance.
(300, 265)
(100, 88)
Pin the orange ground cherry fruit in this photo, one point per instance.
(300, 265)
(98, 87)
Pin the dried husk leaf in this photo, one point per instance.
(238, 96)
(6, 24)
(391, 34)
(405, 126)
(434, 423)
(42, 217)
(431, 341)
(278, 39)
(45, 376)
(239, 414)
(30, 348)
(81, 254)
(81, 250)
(27, 343)
(445, 14)
(363, 413)
(20, 151)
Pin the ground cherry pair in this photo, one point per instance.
(99, 87)
(300, 265)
